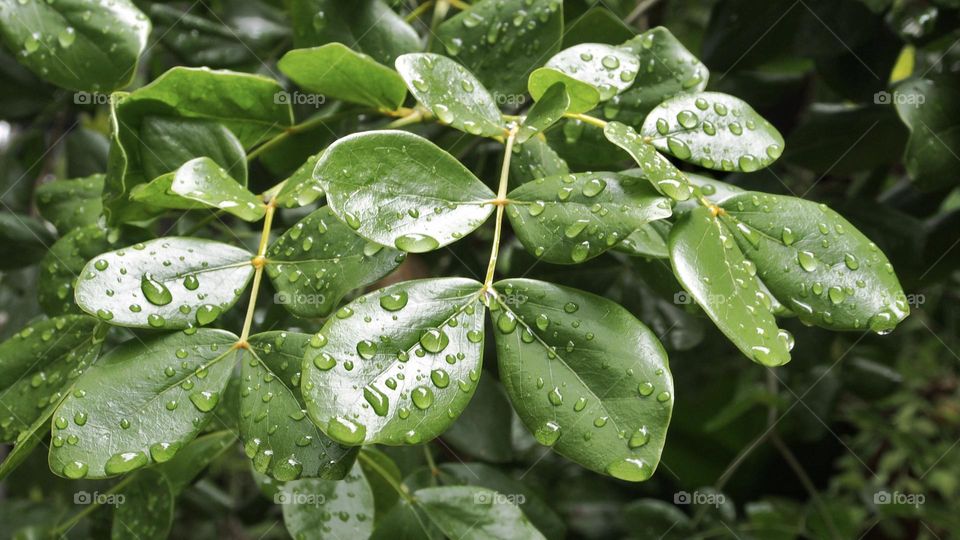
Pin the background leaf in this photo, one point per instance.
(71, 204)
(470, 512)
(545, 112)
(309, 507)
(147, 509)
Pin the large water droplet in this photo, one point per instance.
(154, 291)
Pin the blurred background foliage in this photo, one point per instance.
(856, 437)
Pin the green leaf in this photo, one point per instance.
(931, 110)
(300, 188)
(451, 92)
(545, 112)
(713, 269)
(146, 512)
(406, 521)
(37, 363)
(653, 166)
(319, 260)
(610, 70)
(75, 44)
(205, 182)
(715, 131)
(336, 71)
(23, 240)
(193, 458)
(650, 240)
(484, 429)
(585, 376)
(398, 365)
(817, 263)
(475, 513)
(598, 25)
(369, 26)
(167, 142)
(534, 159)
(571, 218)
(277, 435)
(310, 504)
(71, 204)
(66, 259)
(27, 441)
(141, 403)
(399, 189)
(583, 96)
(501, 41)
(164, 283)
(382, 473)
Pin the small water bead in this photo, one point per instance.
(205, 400)
(346, 431)
(507, 322)
(807, 260)
(630, 469)
(645, 388)
(555, 397)
(378, 401)
(580, 252)
(101, 264)
(574, 229)
(663, 397)
(570, 307)
(434, 340)
(548, 434)
(422, 397)
(207, 313)
(639, 438)
(687, 119)
(163, 451)
(416, 243)
(125, 462)
(394, 301)
(440, 378)
(75, 470)
(366, 349)
(851, 261)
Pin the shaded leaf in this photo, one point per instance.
(310, 504)
(534, 159)
(190, 461)
(483, 430)
(931, 110)
(470, 512)
(147, 509)
(71, 204)
(61, 267)
(398, 365)
(375, 183)
(23, 240)
(585, 376)
(300, 188)
(320, 259)
(193, 283)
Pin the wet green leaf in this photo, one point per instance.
(203, 181)
(715, 131)
(398, 365)
(147, 509)
(75, 44)
(931, 110)
(610, 70)
(451, 93)
(338, 72)
(653, 166)
(475, 513)
(278, 437)
(545, 112)
(502, 41)
(319, 260)
(315, 508)
(534, 159)
(585, 376)
(300, 188)
(141, 403)
(650, 240)
(583, 96)
(71, 204)
(817, 263)
(62, 265)
(568, 219)
(376, 182)
(714, 271)
(165, 283)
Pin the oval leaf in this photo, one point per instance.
(585, 376)
(398, 365)
(545, 112)
(475, 513)
(817, 263)
(205, 182)
(277, 435)
(609, 69)
(141, 403)
(711, 267)
(319, 260)
(571, 218)
(451, 92)
(164, 283)
(399, 189)
(653, 166)
(336, 71)
(310, 504)
(715, 131)
(77, 44)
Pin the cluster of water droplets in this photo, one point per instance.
(668, 179)
(512, 31)
(610, 70)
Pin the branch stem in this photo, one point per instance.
(501, 202)
(259, 262)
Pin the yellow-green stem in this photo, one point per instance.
(259, 262)
(419, 10)
(587, 119)
(501, 202)
(397, 486)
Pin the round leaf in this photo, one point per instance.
(277, 435)
(164, 283)
(399, 189)
(141, 403)
(715, 131)
(653, 166)
(451, 92)
(398, 365)
(816, 262)
(610, 70)
(585, 376)
(572, 218)
(711, 267)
